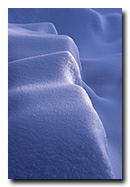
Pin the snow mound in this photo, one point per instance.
(54, 131)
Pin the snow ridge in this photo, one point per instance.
(59, 67)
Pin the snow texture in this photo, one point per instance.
(65, 94)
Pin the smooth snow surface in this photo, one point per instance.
(65, 94)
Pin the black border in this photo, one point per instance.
(125, 62)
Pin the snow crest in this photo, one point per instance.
(54, 68)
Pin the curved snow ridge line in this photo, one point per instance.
(107, 15)
(49, 69)
(92, 94)
(33, 57)
(105, 22)
(32, 28)
(24, 45)
(101, 58)
(37, 87)
(38, 56)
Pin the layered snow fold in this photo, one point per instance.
(30, 42)
(55, 119)
(32, 29)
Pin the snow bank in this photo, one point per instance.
(61, 104)
(54, 131)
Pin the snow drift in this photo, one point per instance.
(53, 122)
(55, 105)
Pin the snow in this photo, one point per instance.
(49, 108)
(53, 68)
(23, 43)
(65, 93)
(105, 92)
(32, 29)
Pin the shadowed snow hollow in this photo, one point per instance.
(54, 131)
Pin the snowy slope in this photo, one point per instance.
(54, 131)
(105, 92)
(72, 114)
